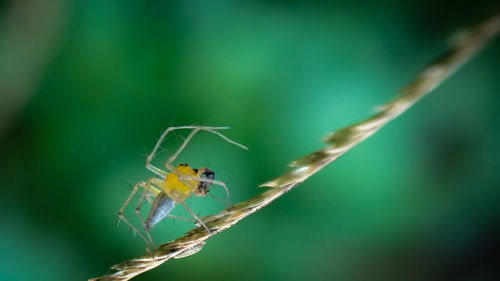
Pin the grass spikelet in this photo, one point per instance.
(338, 143)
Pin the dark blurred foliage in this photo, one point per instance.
(86, 87)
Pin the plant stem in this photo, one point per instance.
(339, 142)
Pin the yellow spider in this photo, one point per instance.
(173, 186)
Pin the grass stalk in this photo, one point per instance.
(468, 44)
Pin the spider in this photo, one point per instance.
(173, 186)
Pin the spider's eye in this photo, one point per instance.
(209, 174)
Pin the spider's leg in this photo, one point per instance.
(148, 187)
(151, 156)
(126, 203)
(223, 184)
(181, 218)
(218, 200)
(181, 148)
(213, 130)
(219, 183)
(196, 217)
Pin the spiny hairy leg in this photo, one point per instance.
(125, 204)
(217, 182)
(148, 190)
(196, 217)
(148, 187)
(151, 156)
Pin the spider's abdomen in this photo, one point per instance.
(162, 206)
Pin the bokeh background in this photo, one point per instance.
(86, 88)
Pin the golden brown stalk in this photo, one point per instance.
(339, 142)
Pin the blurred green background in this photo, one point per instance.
(86, 88)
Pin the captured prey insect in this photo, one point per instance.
(173, 186)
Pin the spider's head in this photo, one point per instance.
(203, 186)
